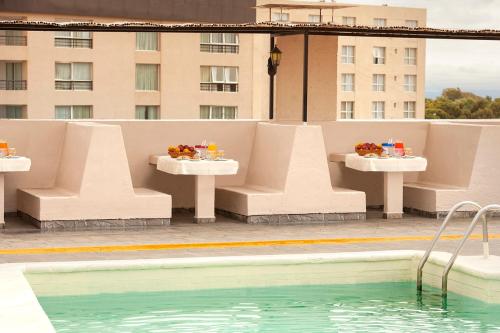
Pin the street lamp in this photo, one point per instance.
(272, 68)
(274, 61)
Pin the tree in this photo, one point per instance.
(457, 104)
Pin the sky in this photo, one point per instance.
(470, 65)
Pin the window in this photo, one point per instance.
(218, 78)
(410, 83)
(410, 56)
(219, 42)
(147, 41)
(281, 17)
(314, 18)
(379, 55)
(12, 37)
(218, 112)
(410, 109)
(378, 83)
(11, 111)
(348, 54)
(347, 82)
(378, 110)
(147, 112)
(74, 76)
(348, 20)
(73, 112)
(12, 76)
(79, 39)
(380, 22)
(347, 110)
(411, 23)
(147, 77)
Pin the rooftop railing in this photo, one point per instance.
(225, 87)
(73, 85)
(73, 42)
(13, 40)
(13, 85)
(219, 48)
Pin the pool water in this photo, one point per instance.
(381, 307)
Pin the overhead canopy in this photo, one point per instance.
(273, 28)
(305, 6)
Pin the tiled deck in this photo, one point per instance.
(371, 235)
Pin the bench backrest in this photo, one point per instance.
(94, 160)
(270, 158)
(451, 153)
(289, 158)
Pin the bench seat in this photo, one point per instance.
(93, 183)
(289, 177)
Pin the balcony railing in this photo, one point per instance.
(226, 87)
(13, 85)
(74, 42)
(215, 48)
(74, 85)
(14, 40)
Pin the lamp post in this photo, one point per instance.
(272, 68)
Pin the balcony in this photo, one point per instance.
(74, 85)
(219, 48)
(74, 42)
(225, 87)
(13, 40)
(13, 85)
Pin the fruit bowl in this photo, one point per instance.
(181, 150)
(363, 149)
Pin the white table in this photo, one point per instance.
(205, 172)
(393, 169)
(8, 164)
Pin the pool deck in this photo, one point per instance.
(22, 243)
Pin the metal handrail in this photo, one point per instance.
(436, 238)
(480, 213)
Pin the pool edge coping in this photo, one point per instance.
(14, 272)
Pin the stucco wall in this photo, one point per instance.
(42, 141)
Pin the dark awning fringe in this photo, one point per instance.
(258, 28)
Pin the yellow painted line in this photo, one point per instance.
(179, 246)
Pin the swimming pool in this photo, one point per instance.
(364, 291)
(380, 307)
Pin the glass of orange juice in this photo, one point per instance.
(4, 148)
(212, 146)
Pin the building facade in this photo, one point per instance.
(83, 75)
(353, 77)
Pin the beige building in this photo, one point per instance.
(70, 75)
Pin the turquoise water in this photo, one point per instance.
(382, 307)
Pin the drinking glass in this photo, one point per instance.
(220, 154)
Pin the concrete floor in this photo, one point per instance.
(19, 235)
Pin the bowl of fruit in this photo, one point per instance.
(185, 151)
(368, 148)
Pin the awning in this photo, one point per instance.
(273, 28)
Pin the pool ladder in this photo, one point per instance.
(486, 249)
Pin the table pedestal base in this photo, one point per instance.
(390, 216)
(2, 222)
(204, 199)
(203, 220)
(393, 195)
